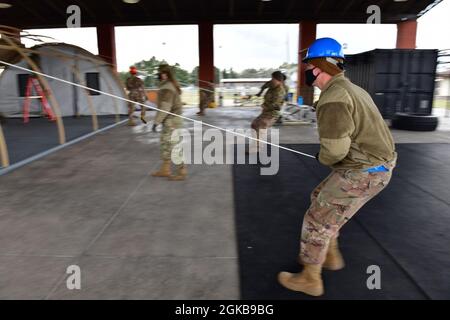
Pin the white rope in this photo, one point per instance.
(154, 108)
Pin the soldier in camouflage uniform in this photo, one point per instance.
(273, 100)
(268, 83)
(286, 88)
(358, 146)
(136, 92)
(169, 100)
(206, 97)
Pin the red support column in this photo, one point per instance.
(206, 52)
(307, 35)
(106, 42)
(406, 34)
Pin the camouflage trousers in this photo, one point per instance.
(265, 120)
(333, 202)
(205, 99)
(132, 106)
(169, 140)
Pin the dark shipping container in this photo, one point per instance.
(399, 80)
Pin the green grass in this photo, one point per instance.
(441, 103)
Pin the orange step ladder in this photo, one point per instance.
(34, 83)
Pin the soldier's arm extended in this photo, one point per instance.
(335, 129)
(165, 101)
(263, 87)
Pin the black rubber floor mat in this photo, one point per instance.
(405, 231)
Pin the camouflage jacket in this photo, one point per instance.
(274, 99)
(136, 88)
(286, 88)
(352, 132)
(264, 87)
(268, 84)
(168, 100)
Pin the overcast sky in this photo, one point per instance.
(250, 46)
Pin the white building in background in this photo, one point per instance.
(243, 86)
(442, 89)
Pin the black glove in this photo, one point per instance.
(154, 127)
(317, 156)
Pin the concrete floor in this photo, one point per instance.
(95, 205)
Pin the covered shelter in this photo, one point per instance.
(227, 231)
(105, 15)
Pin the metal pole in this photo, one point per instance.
(3, 150)
(447, 104)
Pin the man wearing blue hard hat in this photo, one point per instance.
(358, 146)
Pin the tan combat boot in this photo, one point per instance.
(334, 260)
(131, 122)
(164, 171)
(309, 281)
(181, 174)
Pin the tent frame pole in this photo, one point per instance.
(108, 84)
(46, 86)
(76, 72)
(3, 149)
(67, 57)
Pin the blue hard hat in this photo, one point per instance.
(324, 47)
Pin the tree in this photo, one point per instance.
(249, 73)
(289, 66)
(123, 76)
(149, 69)
(233, 74)
(194, 76)
(217, 75)
(225, 74)
(183, 76)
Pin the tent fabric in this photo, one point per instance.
(59, 60)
